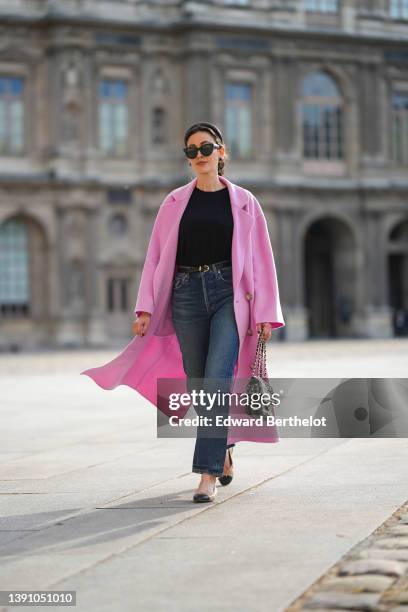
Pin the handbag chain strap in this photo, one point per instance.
(259, 364)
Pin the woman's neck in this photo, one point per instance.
(209, 184)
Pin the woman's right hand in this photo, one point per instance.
(141, 324)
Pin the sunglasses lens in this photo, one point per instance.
(207, 149)
(191, 152)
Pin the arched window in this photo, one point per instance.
(14, 269)
(398, 276)
(322, 118)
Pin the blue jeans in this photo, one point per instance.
(204, 321)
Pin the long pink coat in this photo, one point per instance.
(256, 300)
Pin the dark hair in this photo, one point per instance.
(215, 132)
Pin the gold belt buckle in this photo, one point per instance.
(204, 268)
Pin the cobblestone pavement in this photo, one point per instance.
(372, 576)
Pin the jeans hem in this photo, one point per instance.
(211, 471)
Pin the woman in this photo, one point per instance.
(210, 238)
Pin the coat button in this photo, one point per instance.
(250, 332)
(249, 296)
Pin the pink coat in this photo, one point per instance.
(256, 300)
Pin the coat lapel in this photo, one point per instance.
(243, 221)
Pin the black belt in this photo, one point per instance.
(205, 267)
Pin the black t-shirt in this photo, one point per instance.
(206, 226)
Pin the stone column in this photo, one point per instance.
(285, 97)
(377, 314)
(291, 274)
(197, 87)
(96, 333)
(80, 320)
(369, 90)
(348, 14)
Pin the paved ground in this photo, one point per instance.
(92, 501)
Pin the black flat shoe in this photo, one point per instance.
(228, 474)
(205, 497)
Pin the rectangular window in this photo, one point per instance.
(321, 6)
(123, 294)
(158, 126)
(113, 117)
(399, 9)
(238, 118)
(110, 295)
(322, 131)
(117, 293)
(11, 115)
(399, 128)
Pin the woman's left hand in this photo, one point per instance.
(267, 330)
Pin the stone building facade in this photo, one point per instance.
(95, 96)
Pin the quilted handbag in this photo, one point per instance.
(259, 383)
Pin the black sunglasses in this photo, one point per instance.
(206, 149)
